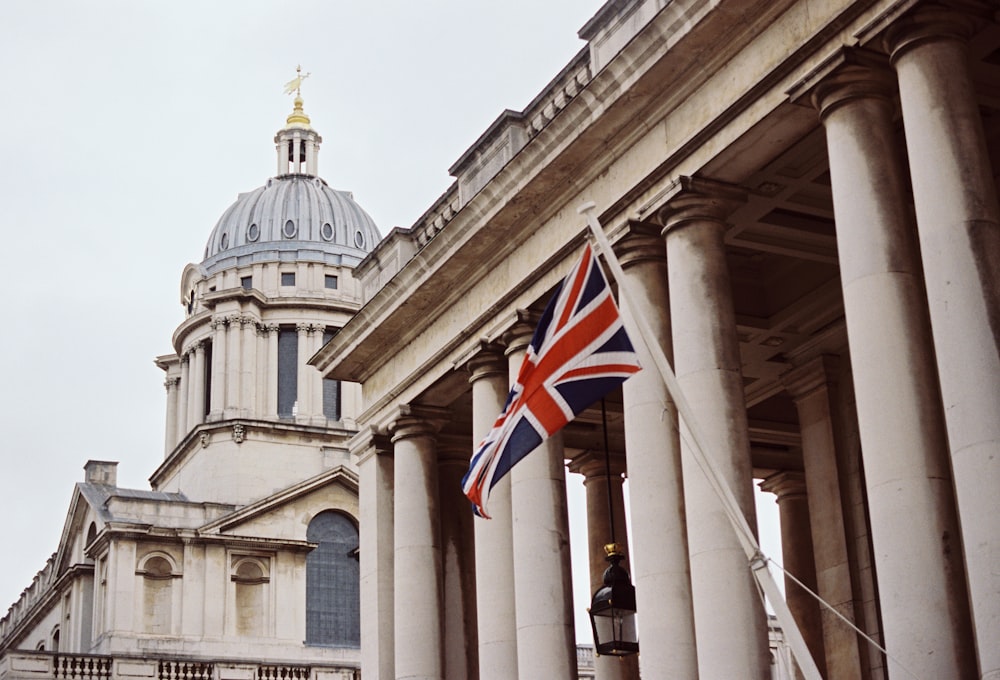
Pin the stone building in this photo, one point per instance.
(241, 561)
(804, 195)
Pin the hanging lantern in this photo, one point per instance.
(612, 609)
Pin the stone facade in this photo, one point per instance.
(240, 562)
(805, 195)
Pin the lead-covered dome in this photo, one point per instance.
(295, 215)
(287, 214)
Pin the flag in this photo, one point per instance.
(579, 352)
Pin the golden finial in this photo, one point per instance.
(298, 117)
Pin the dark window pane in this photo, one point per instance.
(287, 278)
(332, 582)
(288, 371)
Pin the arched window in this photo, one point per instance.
(332, 582)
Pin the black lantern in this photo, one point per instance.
(612, 609)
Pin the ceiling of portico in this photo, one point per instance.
(782, 252)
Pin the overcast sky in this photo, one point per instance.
(129, 127)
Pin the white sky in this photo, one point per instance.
(129, 127)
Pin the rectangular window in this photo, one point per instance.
(287, 278)
(208, 381)
(246, 282)
(331, 388)
(288, 370)
(331, 281)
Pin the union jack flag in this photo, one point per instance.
(579, 352)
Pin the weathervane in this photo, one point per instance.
(295, 84)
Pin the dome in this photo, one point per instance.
(295, 216)
(291, 214)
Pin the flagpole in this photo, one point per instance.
(745, 535)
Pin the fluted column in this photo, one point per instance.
(183, 402)
(218, 397)
(497, 625)
(730, 624)
(958, 220)
(797, 551)
(914, 525)
(605, 495)
(198, 383)
(458, 557)
(375, 506)
(170, 436)
(417, 571)
(543, 592)
(810, 386)
(233, 366)
(304, 408)
(248, 367)
(315, 377)
(660, 569)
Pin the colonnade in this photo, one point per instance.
(232, 372)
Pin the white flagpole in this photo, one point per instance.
(758, 563)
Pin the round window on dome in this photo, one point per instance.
(253, 232)
(289, 230)
(225, 241)
(359, 239)
(327, 231)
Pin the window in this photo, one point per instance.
(288, 370)
(331, 281)
(207, 400)
(246, 282)
(331, 388)
(287, 278)
(332, 582)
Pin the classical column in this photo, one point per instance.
(730, 623)
(914, 525)
(543, 589)
(660, 568)
(183, 402)
(248, 367)
(304, 401)
(811, 386)
(170, 436)
(958, 220)
(233, 366)
(416, 537)
(218, 397)
(375, 507)
(797, 550)
(271, 398)
(497, 626)
(315, 376)
(605, 495)
(458, 557)
(198, 382)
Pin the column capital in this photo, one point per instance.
(696, 199)
(639, 242)
(415, 420)
(368, 442)
(933, 21)
(486, 361)
(172, 383)
(849, 73)
(591, 464)
(805, 379)
(518, 335)
(302, 327)
(218, 321)
(786, 485)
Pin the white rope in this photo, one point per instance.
(843, 618)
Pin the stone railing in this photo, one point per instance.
(23, 665)
(585, 661)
